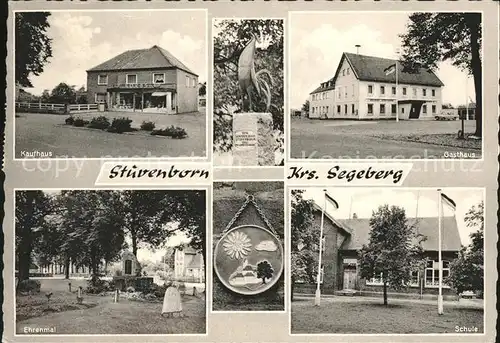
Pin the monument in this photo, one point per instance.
(253, 142)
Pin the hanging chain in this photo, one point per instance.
(251, 200)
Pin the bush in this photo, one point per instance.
(147, 126)
(79, 122)
(31, 286)
(174, 132)
(159, 291)
(69, 121)
(101, 123)
(96, 286)
(120, 125)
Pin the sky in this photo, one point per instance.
(317, 41)
(84, 39)
(362, 201)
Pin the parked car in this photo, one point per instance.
(447, 115)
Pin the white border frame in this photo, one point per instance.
(208, 213)
(336, 160)
(208, 108)
(284, 19)
(383, 335)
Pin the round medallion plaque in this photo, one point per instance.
(248, 259)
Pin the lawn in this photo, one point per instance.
(360, 315)
(47, 133)
(100, 315)
(409, 139)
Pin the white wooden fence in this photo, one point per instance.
(73, 108)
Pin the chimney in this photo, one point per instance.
(354, 216)
(357, 48)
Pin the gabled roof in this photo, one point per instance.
(152, 58)
(426, 226)
(335, 222)
(371, 68)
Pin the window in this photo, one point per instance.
(414, 91)
(414, 278)
(345, 109)
(352, 108)
(404, 90)
(370, 108)
(424, 92)
(382, 90)
(340, 92)
(375, 280)
(327, 109)
(424, 109)
(432, 273)
(370, 89)
(131, 79)
(433, 108)
(100, 98)
(393, 109)
(393, 90)
(382, 109)
(353, 91)
(338, 109)
(158, 78)
(433, 92)
(187, 81)
(402, 110)
(102, 79)
(345, 92)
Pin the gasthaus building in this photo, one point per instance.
(364, 87)
(344, 238)
(144, 80)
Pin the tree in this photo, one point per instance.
(187, 208)
(391, 252)
(264, 271)
(467, 271)
(33, 47)
(447, 106)
(435, 37)
(63, 94)
(304, 240)
(228, 43)
(31, 209)
(45, 97)
(305, 108)
(146, 214)
(93, 226)
(203, 89)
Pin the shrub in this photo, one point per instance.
(120, 125)
(174, 132)
(159, 291)
(31, 286)
(147, 126)
(96, 286)
(69, 121)
(101, 123)
(79, 122)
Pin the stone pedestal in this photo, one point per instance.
(253, 143)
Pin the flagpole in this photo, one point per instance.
(397, 90)
(440, 261)
(317, 298)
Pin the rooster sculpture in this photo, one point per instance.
(249, 80)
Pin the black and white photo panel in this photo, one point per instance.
(99, 262)
(102, 84)
(248, 247)
(387, 261)
(248, 81)
(386, 85)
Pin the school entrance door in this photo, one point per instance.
(350, 278)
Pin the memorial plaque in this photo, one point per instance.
(253, 143)
(248, 259)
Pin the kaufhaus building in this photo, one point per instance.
(364, 87)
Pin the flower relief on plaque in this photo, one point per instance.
(248, 259)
